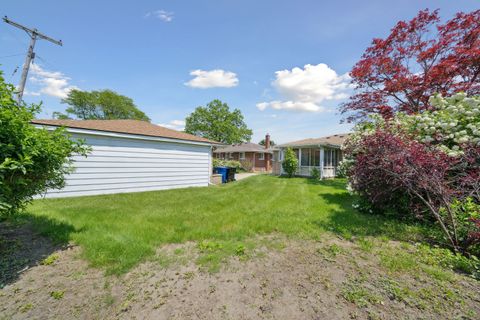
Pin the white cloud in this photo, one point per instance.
(212, 79)
(305, 89)
(174, 124)
(160, 14)
(290, 105)
(30, 93)
(52, 83)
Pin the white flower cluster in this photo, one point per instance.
(455, 121)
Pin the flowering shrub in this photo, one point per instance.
(454, 122)
(315, 173)
(427, 165)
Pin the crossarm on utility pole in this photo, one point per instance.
(32, 31)
(33, 34)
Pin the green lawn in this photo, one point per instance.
(119, 231)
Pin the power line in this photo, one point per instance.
(51, 65)
(14, 36)
(33, 34)
(12, 55)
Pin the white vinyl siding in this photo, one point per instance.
(118, 164)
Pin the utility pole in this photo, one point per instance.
(33, 34)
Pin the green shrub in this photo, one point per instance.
(290, 163)
(217, 162)
(227, 163)
(234, 164)
(247, 165)
(315, 173)
(467, 216)
(31, 160)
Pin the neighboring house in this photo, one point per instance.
(132, 155)
(323, 153)
(252, 156)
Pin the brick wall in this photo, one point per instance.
(253, 158)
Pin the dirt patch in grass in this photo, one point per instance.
(278, 278)
(20, 249)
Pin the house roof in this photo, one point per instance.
(334, 140)
(243, 147)
(135, 127)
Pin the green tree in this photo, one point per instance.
(104, 105)
(31, 160)
(262, 142)
(290, 162)
(216, 122)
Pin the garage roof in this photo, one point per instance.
(136, 127)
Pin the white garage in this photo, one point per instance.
(132, 156)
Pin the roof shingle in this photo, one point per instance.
(136, 127)
(334, 140)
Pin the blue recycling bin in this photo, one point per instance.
(223, 171)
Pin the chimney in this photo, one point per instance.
(267, 141)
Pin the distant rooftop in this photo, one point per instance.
(334, 140)
(243, 147)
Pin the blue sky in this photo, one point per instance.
(285, 64)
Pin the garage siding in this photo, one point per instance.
(118, 165)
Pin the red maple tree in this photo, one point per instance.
(420, 57)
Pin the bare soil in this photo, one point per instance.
(282, 279)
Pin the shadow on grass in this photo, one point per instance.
(348, 222)
(26, 240)
(339, 183)
(334, 183)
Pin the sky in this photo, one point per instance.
(284, 64)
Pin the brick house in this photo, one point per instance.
(253, 156)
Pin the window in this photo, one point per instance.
(316, 157)
(305, 160)
(331, 157)
(242, 155)
(326, 157)
(230, 155)
(276, 156)
(261, 156)
(310, 157)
